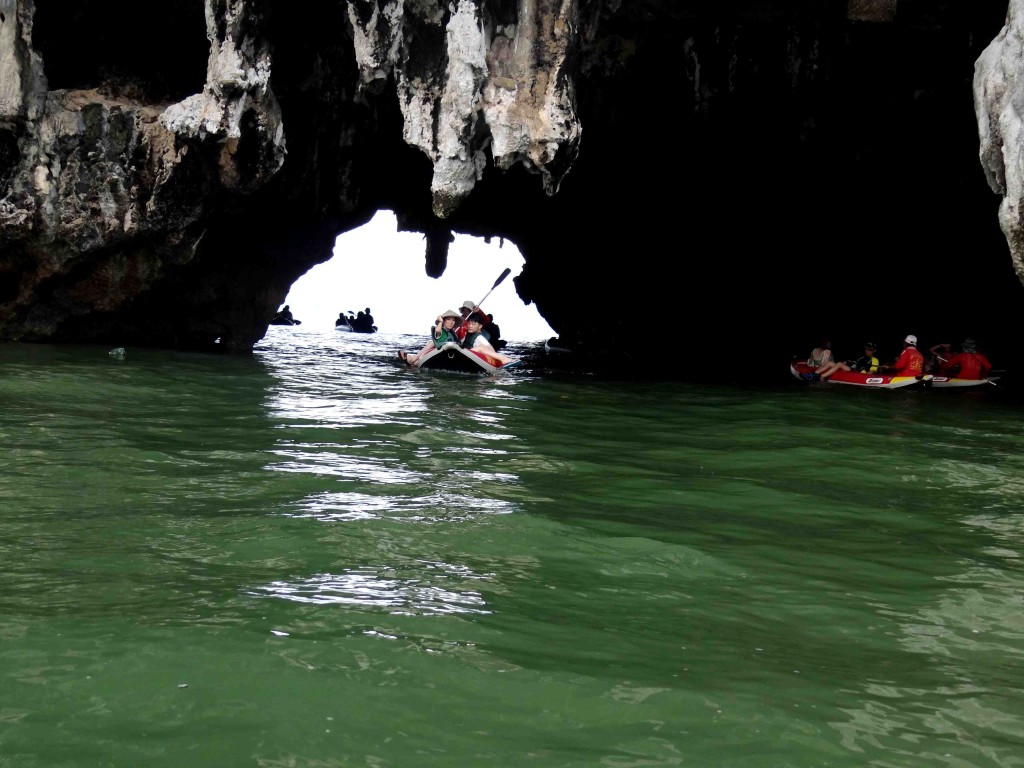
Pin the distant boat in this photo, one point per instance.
(284, 317)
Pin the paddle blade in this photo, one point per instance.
(501, 277)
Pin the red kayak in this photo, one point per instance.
(804, 372)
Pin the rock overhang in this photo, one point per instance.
(714, 171)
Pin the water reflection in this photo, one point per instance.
(439, 506)
(436, 589)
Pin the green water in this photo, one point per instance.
(315, 557)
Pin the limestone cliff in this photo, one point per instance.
(999, 77)
(748, 173)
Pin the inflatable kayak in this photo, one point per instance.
(452, 357)
(804, 372)
(948, 382)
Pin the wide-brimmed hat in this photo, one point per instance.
(451, 313)
(911, 339)
(468, 305)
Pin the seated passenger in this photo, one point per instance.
(467, 308)
(820, 357)
(910, 362)
(284, 317)
(477, 340)
(442, 333)
(938, 355)
(867, 363)
(969, 363)
(494, 333)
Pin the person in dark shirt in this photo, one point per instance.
(476, 340)
(494, 333)
(284, 317)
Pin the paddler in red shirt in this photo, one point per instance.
(467, 308)
(967, 364)
(910, 361)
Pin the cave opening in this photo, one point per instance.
(117, 47)
(377, 267)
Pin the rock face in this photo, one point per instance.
(746, 174)
(999, 76)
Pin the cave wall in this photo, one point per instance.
(753, 173)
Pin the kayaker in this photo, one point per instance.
(938, 355)
(477, 340)
(821, 354)
(284, 317)
(442, 332)
(494, 333)
(467, 308)
(820, 358)
(969, 363)
(866, 363)
(910, 362)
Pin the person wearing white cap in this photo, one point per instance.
(910, 362)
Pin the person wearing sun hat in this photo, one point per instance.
(467, 308)
(910, 362)
(442, 332)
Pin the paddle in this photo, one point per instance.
(497, 282)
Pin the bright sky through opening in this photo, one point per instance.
(377, 266)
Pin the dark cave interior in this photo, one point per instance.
(750, 177)
(124, 47)
(814, 177)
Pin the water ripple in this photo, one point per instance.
(381, 588)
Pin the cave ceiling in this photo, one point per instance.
(745, 175)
